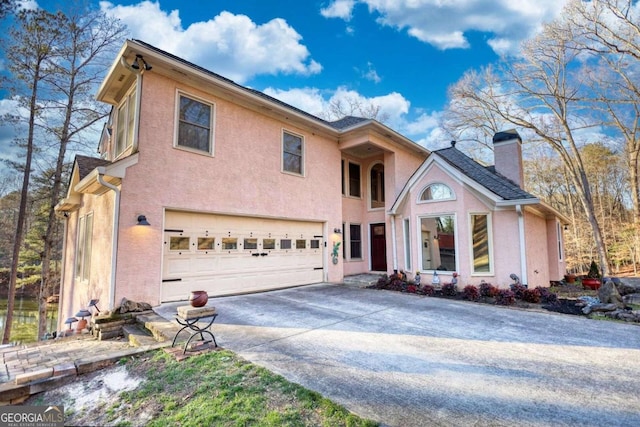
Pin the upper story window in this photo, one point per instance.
(377, 186)
(292, 153)
(354, 180)
(436, 191)
(195, 124)
(125, 124)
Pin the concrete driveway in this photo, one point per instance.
(407, 360)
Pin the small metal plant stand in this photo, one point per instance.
(196, 321)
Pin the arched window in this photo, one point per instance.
(436, 191)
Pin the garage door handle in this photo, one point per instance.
(255, 254)
(264, 254)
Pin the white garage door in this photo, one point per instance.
(227, 254)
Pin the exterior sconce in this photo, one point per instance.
(142, 220)
(337, 231)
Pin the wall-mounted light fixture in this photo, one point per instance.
(136, 63)
(337, 231)
(142, 220)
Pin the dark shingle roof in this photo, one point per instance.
(486, 176)
(87, 164)
(347, 121)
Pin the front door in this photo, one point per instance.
(378, 247)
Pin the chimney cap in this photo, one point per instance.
(506, 135)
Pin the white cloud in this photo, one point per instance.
(233, 45)
(394, 108)
(444, 24)
(339, 9)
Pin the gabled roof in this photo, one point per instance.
(486, 176)
(87, 164)
(485, 180)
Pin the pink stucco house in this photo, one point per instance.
(205, 184)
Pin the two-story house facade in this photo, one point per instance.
(205, 184)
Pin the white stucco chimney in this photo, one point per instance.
(507, 152)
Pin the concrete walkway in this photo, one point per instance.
(407, 360)
(33, 368)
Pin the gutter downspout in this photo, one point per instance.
(114, 236)
(523, 255)
(62, 268)
(394, 246)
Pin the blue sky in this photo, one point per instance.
(400, 55)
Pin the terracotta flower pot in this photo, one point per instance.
(591, 283)
(570, 278)
(198, 298)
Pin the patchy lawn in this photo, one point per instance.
(215, 388)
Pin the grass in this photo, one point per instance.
(215, 388)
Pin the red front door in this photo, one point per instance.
(378, 247)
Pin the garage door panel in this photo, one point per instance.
(225, 254)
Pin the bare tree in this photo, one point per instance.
(609, 31)
(30, 50)
(353, 106)
(90, 39)
(540, 93)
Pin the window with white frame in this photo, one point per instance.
(354, 179)
(125, 124)
(195, 124)
(407, 243)
(83, 247)
(436, 191)
(480, 243)
(438, 242)
(376, 181)
(560, 245)
(355, 241)
(292, 153)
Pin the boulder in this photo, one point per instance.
(128, 306)
(599, 307)
(629, 285)
(608, 294)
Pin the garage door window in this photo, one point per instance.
(229, 243)
(206, 243)
(178, 243)
(285, 244)
(315, 244)
(251, 243)
(301, 244)
(268, 243)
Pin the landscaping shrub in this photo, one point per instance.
(449, 289)
(427, 290)
(396, 283)
(471, 293)
(412, 289)
(518, 290)
(505, 297)
(488, 290)
(382, 282)
(546, 296)
(531, 295)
